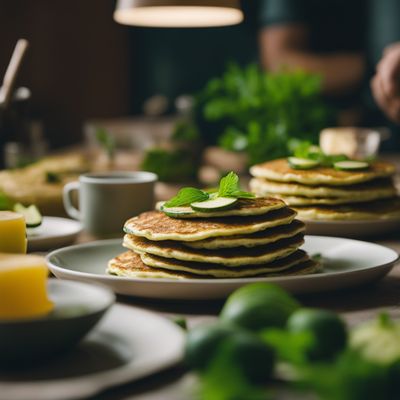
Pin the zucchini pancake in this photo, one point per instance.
(357, 191)
(251, 237)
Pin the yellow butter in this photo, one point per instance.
(12, 232)
(23, 280)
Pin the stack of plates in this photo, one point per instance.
(327, 194)
(259, 237)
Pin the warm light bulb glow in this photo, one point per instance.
(179, 16)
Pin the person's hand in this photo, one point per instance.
(386, 83)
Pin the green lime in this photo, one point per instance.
(327, 329)
(202, 342)
(246, 352)
(258, 306)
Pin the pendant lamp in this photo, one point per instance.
(178, 13)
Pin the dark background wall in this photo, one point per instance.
(82, 65)
(77, 66)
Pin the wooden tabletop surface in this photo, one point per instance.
(355, 305)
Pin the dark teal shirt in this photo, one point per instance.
(334, 25)
(347, 25)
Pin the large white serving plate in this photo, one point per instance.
(354, 229)
(347, 263)
(127, 344)
(52, 233)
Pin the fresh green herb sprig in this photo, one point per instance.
(107, 141)
(186, 196)
(309, 151)
(5, 202)
(225, 368)
(181, 156)
(260, 112)
(228, 187)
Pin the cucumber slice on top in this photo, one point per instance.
(351, 165)
(32, 215)
(302, 163)
(217, 204)
(176, 212)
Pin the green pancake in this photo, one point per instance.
(130, 264)
(375, 189)
(267, 236)
(232, 257)
(155, 225)
(280, 171)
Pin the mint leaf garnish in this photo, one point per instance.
(229, 187)
(186, 196)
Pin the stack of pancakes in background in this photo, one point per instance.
(259, 237)
(324, 193)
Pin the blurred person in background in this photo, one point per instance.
(385, 84)
(322, 37)
(343, 41)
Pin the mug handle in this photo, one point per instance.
(69, 208)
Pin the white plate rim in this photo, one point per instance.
(219, 281)
(97, 382)
(72, 222)
(43, 241)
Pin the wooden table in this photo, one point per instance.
(355, 305)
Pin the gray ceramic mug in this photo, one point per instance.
(108, 199)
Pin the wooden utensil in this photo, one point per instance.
(6, 89)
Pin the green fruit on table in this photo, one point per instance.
(258, 306)
(237, 347)
(328, 332)
(203, 341)
(254, 358)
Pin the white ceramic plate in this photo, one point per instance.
(347, 263)
(78, 307)
(52, 233)
(128, 344)
(354, 229)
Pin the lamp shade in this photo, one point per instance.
(178, 13)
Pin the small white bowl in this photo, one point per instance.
(77, 309)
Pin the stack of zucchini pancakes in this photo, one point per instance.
(325, 193)
(258, 237)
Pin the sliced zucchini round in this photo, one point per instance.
(302, 163)
(32, 215)
(176, 212)
(217, 204)
(351, 165)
